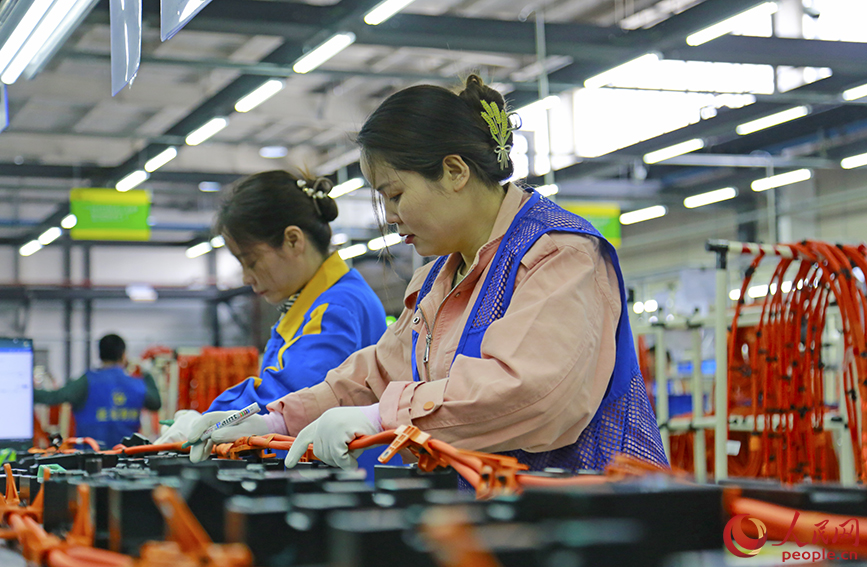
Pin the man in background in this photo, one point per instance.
(106, 402)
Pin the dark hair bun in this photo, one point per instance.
(326, 207)
(262, 205)
(416, 128)
(475, 91)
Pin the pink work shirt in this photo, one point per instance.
(544, 366)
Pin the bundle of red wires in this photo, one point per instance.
(785, 370)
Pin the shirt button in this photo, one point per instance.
(428, 406)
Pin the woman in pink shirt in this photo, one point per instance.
(513, 341)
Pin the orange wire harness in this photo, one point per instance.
(188, 543)
(491, 475)
(785, 369)
(776, 372)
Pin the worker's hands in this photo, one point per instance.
(253, 425)
(179, 430)
(331, 434)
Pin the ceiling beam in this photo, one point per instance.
(840, 56)
(222, 102)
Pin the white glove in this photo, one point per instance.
(179, 431)
(254, 425)
(332, 433)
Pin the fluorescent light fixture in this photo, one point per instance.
(642, 215)
(735, 294)
(383, 241)
(855, 93)
(218, 241)
(638, 308)
(69, 221)
(611, 75)
(161, 159)
(198, 250)
(782, 179)
(58, 36)
(273, 152)
(548, 190)
(50, 235)
(772, 120)
(31, 247)
(38, 38)
(674, 151)
(346, 187)
(19, 35)
(352, 251)
(852, 162)
(339, 239)
(204, 132)
(260, 95)
(323, 52)
(209, 186)
(385, 10)
(132, 180)
(730, 24)
(141, 293)
(716, 196)
(650, 306)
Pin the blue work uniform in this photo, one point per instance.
(335, 315)
(113, 406)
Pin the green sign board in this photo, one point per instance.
(604, 216)
(108, 214)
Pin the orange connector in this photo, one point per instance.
(82, 526)
(188, 543)
(12, 502)
(498, 474)
(245, 444)
(71, 442)
(418, 443)
(455, 542)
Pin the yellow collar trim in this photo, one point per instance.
(331, 270)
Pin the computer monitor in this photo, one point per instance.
(16, 393)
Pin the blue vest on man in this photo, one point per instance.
(113, 407)
(624, 422)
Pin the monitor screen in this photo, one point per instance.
(16, 391)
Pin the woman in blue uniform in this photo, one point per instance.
(277, 226)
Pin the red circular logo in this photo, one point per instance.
(746, 546)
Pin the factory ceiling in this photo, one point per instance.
(66, 129)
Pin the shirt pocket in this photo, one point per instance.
(427, 399)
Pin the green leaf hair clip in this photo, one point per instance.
(498, 121)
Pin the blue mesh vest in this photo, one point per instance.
(113, 407)
(624, 422)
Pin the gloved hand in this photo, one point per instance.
(253, 425)
(179, 431)
(331, 434)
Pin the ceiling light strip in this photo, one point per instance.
(772, 120)
(323, 52)
(782, 179)
(674, 151)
